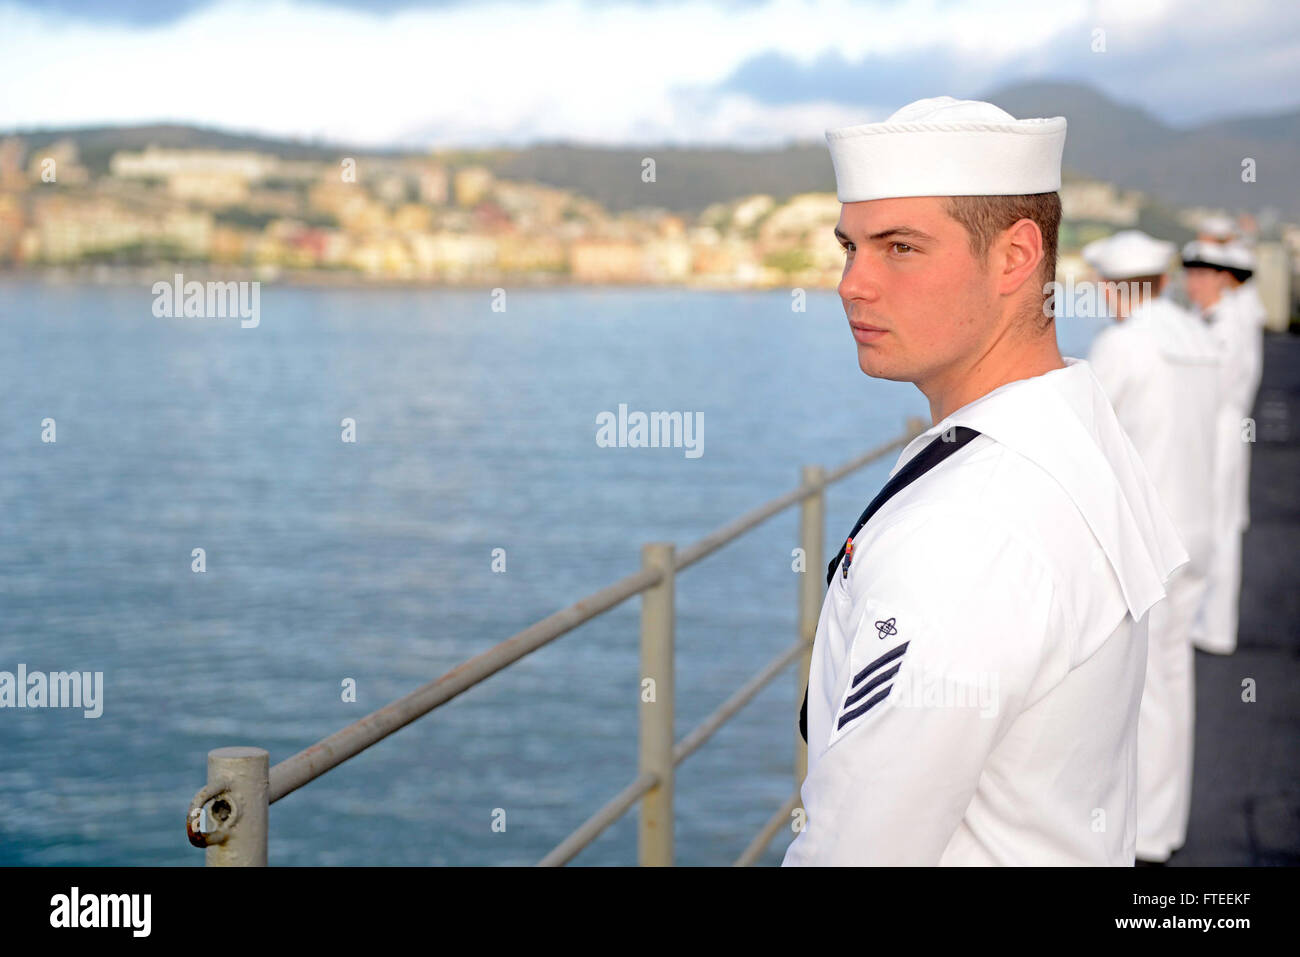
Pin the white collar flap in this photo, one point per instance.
(1063, 423)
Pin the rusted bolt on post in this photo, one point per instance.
(236, 804)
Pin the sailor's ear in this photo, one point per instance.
(1017, 254)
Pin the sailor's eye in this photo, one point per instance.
(901, 246)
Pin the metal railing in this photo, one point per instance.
(228, 816)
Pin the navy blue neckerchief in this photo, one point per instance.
(918, 465)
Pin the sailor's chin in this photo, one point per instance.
(873, 363)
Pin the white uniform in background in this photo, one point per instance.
(1000, 605)
(1239, 336)
(1216, 631)
(1160, 369)
(1253, 317)
(1248, 294)
(1252, 308)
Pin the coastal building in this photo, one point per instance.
(433, 184)
(156, 163)
(1095, 201)
(13, 152)
(524, 255)
(454, 257)
(668, 260)
(472, 184)
(607, 261)
(751, 209)
(65, 231)
(208, 189)
(808, 215)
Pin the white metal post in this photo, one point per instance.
(239, 809)
(655, 835)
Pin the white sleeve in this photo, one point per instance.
(1245, 344)
(1112, 365)
(953, 630)
(1253, 347)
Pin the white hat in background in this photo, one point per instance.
(1127, 254)
(1217, 227)
(1232, 257)
(947, 147)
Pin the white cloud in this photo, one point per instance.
(483, 73)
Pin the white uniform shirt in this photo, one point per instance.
(1251, 318)
(1160, 369)
(1248, 295)
(1237, 321)
(1237, 331)
(975, 680)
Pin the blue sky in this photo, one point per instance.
(727, 73)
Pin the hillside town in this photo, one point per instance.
(427, 220)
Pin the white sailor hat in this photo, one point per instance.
(947, 147)
(1127, 254)
(1231, 257)
(1217, 227)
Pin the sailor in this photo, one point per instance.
(1160, 367)
(1214, 272)
(1243, 292)
(1222, 231)
(978, 663)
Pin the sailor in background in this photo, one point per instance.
(1160, 367)
(1214, 272)
(1243, 290)
(978, 664)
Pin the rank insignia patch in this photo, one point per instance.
(872, 684)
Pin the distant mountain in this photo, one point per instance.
(97, 143)
(1197, 166)
(686, 180)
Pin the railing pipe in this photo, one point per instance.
(592, 828)
(728, 709)
(595, 825)
(812, 524)
(292, 773)
(655, 834)
(779, 819)
(734, 529)
(240, 786)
